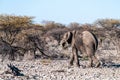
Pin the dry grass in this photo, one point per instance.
(45, 61)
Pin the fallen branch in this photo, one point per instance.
(15, 70)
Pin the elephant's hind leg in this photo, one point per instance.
(89, 54)
(90, 62)
(96, 61)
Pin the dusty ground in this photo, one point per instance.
(46, 69)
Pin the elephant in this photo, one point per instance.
(86, 42)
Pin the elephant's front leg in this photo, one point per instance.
(75, 53)
(71, 59)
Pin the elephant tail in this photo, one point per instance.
(95, 41)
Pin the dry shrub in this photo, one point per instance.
(49, 25)
(31, 41)
(57, 33)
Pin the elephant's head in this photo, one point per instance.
(66, 40)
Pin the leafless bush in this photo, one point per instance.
(8, 49)
(57, 33)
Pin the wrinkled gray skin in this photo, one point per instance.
(85, 42)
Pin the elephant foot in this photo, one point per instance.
(89, 66)
(77, 65)
(98, 64)
(82, 66)
(70, 64)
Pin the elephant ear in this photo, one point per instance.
(69, 37)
